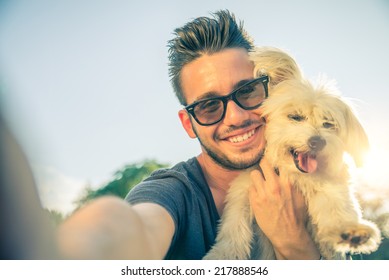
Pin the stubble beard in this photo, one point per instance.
(228, 163)
(238, 164)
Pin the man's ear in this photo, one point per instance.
(186, 123)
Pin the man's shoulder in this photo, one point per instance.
(186, 171)
(184, 178)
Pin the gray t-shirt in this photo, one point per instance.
(182, 190)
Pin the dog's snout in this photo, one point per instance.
(316, 143)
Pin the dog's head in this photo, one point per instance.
(310, 127)
(275, 63)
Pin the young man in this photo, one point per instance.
(174, 213)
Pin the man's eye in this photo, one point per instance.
(245, 91)
(296, 117)
(209, 106)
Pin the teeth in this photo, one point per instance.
(242, 137)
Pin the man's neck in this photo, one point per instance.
(218, 179)
(216, 176)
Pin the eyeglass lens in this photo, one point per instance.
(247, 97)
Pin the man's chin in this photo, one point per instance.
(235, 165)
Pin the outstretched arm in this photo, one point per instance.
(281, 213)
(109, 228)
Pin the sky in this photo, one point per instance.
(85, 86)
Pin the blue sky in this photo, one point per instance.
(86, 88)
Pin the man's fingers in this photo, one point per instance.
(253, 197)
(268, 171)
(258, 173)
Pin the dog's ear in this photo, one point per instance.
(275, 63)
(356, 140)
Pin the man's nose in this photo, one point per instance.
(235, 115)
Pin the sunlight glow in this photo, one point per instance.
(376, 170)
(371, 185)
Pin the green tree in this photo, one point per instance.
(122, 182)
(381, 254)
(55, 217)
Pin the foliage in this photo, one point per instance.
(122, 182)
(381, 254)
(55, 217)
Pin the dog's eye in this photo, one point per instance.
(296, 117)
(328, 125)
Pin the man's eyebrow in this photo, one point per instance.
(207, 95)
(212, 94)
(242, 83)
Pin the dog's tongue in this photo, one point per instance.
(306, 163)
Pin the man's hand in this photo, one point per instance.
(280, 212)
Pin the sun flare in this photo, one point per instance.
(375, 171)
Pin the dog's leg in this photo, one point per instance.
(235, 233)
(340, 227)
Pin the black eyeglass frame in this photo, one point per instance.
(232, 96)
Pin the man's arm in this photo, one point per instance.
(109, 228)
(281, 213)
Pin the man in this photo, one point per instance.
(174, 213)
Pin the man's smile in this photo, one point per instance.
(245, 136)
(242, 137)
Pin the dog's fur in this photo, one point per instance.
(308, 130)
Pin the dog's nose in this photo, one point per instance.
(316, 143)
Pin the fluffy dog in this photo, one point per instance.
(308, 130)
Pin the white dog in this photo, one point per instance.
(308, 130)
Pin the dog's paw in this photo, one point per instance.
(360, 238)
(355, 237)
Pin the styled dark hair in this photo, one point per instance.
(201, 36)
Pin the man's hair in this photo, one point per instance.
(201, 36)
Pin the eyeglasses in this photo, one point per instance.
(212, 110)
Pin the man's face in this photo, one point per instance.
(237, 141)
